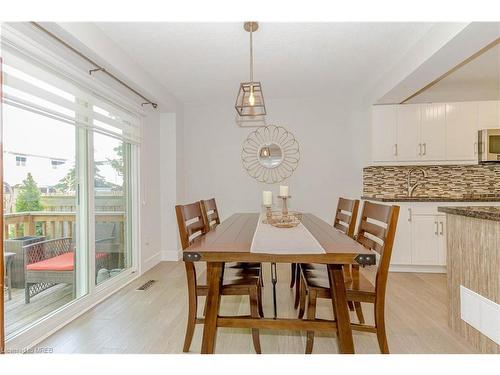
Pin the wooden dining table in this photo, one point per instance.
(231, 241)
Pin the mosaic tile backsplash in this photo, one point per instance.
(453, 181)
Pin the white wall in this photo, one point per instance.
(171, 174)
(159, 184)
(150, 200)
(332, 146)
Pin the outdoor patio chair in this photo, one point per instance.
(49, 263)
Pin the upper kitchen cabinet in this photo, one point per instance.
(431, 132)
(408, 133)
(384, 120)
(461, 131)
(488, 114)
(432, 145)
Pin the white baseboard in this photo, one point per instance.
(151, 262)
(416, 268)
(171, 255)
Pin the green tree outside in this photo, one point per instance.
(118, 164)
(29, 197)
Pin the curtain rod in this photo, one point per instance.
(98, 68)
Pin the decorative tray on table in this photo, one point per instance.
(288, 220)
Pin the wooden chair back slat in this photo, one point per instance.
(345, 216)
(210, 213)
(369, 243)
(379, 237)
(195, 227)
(345, 204)
(373, 229)
(213, 217)
(210, 204)
(342, 227)
(379, 212)
(189, 213)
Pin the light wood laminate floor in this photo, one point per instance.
(154, 321)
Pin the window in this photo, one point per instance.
(112, 206)
(54, 202)
(34, 231)
(56, 163)
(21, 161)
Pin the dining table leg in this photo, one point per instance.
(214, 283)
(340, 308)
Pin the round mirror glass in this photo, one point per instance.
(270, 155)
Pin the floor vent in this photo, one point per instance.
(148, 284)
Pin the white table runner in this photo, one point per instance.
(271, 240)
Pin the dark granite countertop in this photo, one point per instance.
(465, 198)
(479, 212)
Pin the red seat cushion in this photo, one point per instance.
(63, 262)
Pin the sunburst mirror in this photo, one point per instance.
(270, 154)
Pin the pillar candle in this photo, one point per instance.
(283, 191)
(267, 198)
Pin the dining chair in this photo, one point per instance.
(345, 219)
(211, 219)
(376, 232)
(235, 282)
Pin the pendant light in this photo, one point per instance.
(250, 100)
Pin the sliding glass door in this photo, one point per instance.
(69, 192)
(111, 206)
(42, 248)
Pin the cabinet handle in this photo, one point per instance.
(437, 229)
(425, 149)
(409, 214)
(420, 149)
(442, 228)
(475, 148)
(395, 149)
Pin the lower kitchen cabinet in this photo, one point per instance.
(401, 250)
(428, 240)
(420, 242)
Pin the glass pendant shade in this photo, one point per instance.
(250, 100)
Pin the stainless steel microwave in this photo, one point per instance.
(489, 146)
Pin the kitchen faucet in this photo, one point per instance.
(411, 188)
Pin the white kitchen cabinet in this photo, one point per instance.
(432, 142)
(408, 132)
(417, 247)
(401, 249)
(384, 119)
(442, 240)
(434, 132)
(428, 240)
(488, 115)
(461, 131)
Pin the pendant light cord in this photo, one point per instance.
(251, 53)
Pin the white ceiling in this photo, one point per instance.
(197, 62)
(477, 80)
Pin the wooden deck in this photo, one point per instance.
(18, 314)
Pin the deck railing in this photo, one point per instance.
(53, 224)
